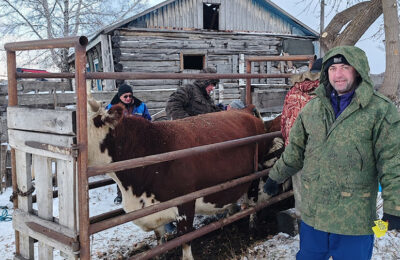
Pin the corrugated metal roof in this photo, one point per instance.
(266, 4)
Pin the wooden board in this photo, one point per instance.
(18, 139)
(20, 220)
(24, 183)
(67, 196)
(41, 120)
(41, 166)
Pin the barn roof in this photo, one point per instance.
(266, 4)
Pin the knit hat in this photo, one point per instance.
(124, 88)
(209, 81)
(337, 59)
(317, 65)
(237, 104)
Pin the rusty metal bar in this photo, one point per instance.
(50, 75)
(251, 59)
(157, 158)
(47, 44)
(248, 83)
(12, 80)
(82, 139)
(107, 215)
(129, 75)
(281, 58)
(209, 228)
(100, 226)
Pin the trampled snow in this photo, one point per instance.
(118, 241)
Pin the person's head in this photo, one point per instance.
(207, 84)
(235, 104)
(125, 94)
(345, 68)
(342, 76)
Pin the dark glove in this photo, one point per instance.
(394, 221)
(271, 187)
(221, 106)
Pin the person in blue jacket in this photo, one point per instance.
(132, 104)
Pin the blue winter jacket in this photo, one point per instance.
(139, 108)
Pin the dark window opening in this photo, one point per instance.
(210, 17)
(193, 62)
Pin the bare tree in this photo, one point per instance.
(391, 81)
(347, 26)
(47, 19)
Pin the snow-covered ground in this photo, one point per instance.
(118, 241)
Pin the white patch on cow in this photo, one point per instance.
(181, 217)
(207, 208)
(131, 203)
(96, 136)
(187, 252)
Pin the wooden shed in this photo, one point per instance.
(184, 36)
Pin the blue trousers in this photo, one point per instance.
(319, 245)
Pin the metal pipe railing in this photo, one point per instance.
(85, 228)
(47, 44)
(130, 75)
(209, 228)
(82, 143)
(251, 59)
(100, 226)
(157, 158)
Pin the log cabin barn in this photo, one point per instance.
(185, 36)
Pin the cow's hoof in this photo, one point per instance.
(118, 200)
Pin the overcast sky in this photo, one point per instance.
(373, 47)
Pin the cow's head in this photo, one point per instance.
(100, 123)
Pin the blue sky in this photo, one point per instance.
(374, 48)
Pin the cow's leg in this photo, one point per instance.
(185, 225)
(253, 222)
(160, 234)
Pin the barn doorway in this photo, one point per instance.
(211, 16)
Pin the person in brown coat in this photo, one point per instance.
(193, 99)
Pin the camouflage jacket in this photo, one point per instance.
(343, 159)
(190, 100)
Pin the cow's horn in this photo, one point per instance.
(93, 104)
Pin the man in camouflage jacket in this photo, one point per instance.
(193, 99)
(345, 140)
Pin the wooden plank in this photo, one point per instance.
(41, 120)
(107, 59)
(3, 173)
(67, 196)
(44, 193)
(17, 139)
(24, 183)
(41, 86)
(241, 68)
(21, 222)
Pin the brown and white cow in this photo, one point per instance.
(114, 136)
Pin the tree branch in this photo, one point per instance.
(24, 18)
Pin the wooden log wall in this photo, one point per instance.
(137, 50)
